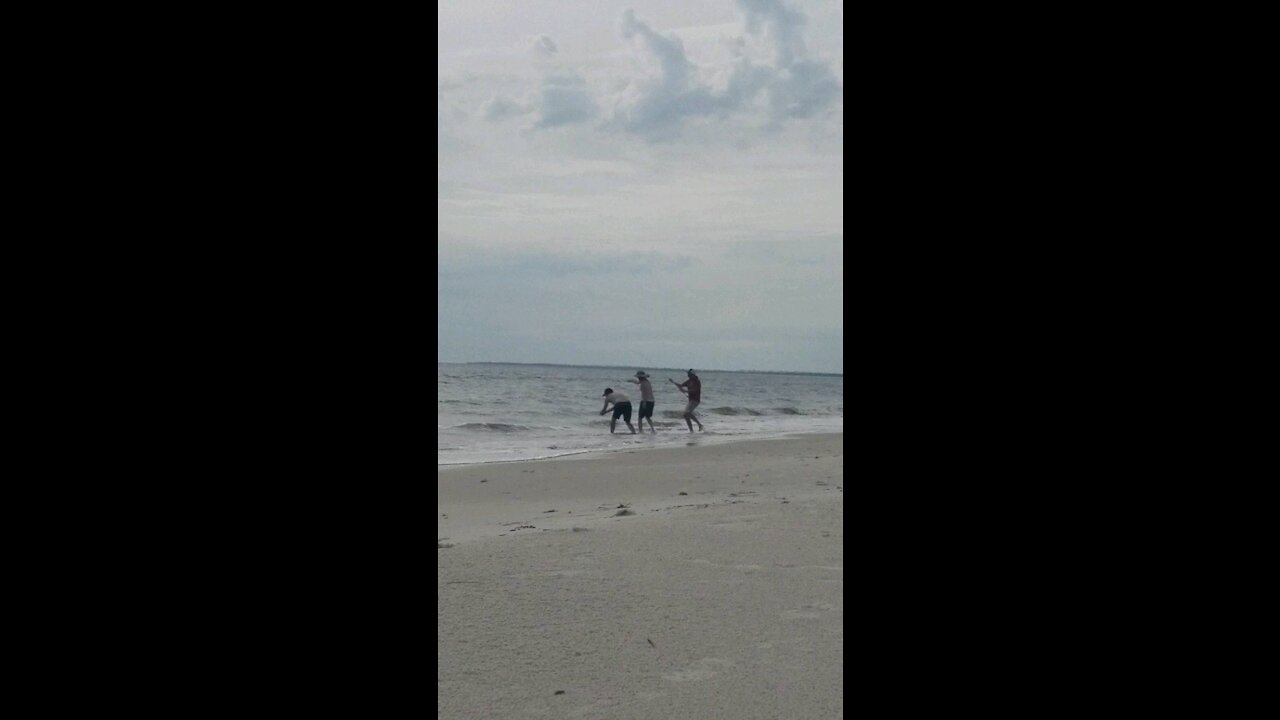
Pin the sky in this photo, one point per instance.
(652, 183)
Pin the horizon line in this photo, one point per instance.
(623, 367)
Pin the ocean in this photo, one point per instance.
(490, 412)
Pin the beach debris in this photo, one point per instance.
(578, 529)
(484, 480)
(655, 647)
(547, 511)
(623, 512)
(786, 502)
(622, 505)
(443, 545)
(559, 692)
(683, 493)
(820, 483)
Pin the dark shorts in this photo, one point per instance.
(623, 410)
(646, 409)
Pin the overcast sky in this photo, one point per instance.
(652, 183)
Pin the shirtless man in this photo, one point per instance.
(695, 397)
(646, 400)
(621, 406)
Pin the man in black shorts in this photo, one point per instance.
(646, 400)
(621, 406)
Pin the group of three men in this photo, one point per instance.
(622, 404)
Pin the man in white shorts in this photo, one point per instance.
(695, 396)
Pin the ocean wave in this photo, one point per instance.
(493, 427)
(726, 410)
(735, 411)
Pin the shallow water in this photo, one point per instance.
(495, 412)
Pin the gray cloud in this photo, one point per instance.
(792, 87)
(797, 87)
(564, 99)
(655, 105)
(500, 108)
(780, 24)
(543, 46)
(803, 90)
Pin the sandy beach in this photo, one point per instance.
(704, 581)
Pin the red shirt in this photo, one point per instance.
(695, 388)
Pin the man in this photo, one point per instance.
(621, 406)
(646, 400)
(695, 397)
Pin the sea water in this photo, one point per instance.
(488, 412)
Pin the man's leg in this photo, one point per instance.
(686, 422)
(612, 422)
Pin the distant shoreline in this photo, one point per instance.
(628, 367)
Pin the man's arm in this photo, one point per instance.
(606, 406)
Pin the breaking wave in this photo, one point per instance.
(734, 411)
(491, 427)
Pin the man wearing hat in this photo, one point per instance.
(646, 400)
(695, 397)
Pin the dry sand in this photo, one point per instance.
(726, 602)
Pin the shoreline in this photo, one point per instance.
(699, 439)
